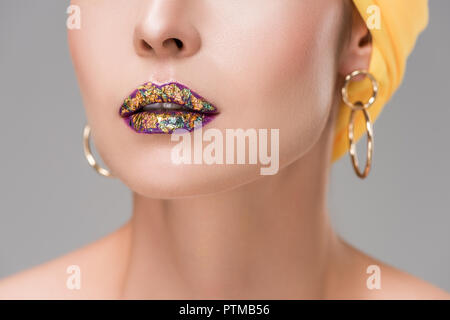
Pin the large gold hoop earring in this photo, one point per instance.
(355, 106)
(88, 154)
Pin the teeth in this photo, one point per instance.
(161, 105)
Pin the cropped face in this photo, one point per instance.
(149, 67)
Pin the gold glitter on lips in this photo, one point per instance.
(150, 93)
(167, 121)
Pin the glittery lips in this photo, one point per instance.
(163, 109)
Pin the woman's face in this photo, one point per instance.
(264, 64)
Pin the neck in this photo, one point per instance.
(268, 239)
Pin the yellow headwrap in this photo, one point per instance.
(401, 23)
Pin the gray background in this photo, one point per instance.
(51, 202)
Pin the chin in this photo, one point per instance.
(179, 181)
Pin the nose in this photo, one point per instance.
(163, 29)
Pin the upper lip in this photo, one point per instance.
(172, 92)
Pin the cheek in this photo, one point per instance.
(98, 46)
(284, 72)
(96, 49)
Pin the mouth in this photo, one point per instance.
(163, 109)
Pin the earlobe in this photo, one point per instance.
(358, 50)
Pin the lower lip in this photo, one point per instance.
(167, 121)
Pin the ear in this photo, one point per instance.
(357, 52)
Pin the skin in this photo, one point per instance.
(220, 232)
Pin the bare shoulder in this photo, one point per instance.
(370, 278)
(399, 284)
(93, 271)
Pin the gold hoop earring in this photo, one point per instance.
(88, 154)
(359, 105)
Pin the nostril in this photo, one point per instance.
(170, 45)
(145, 45)
(177, 42)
